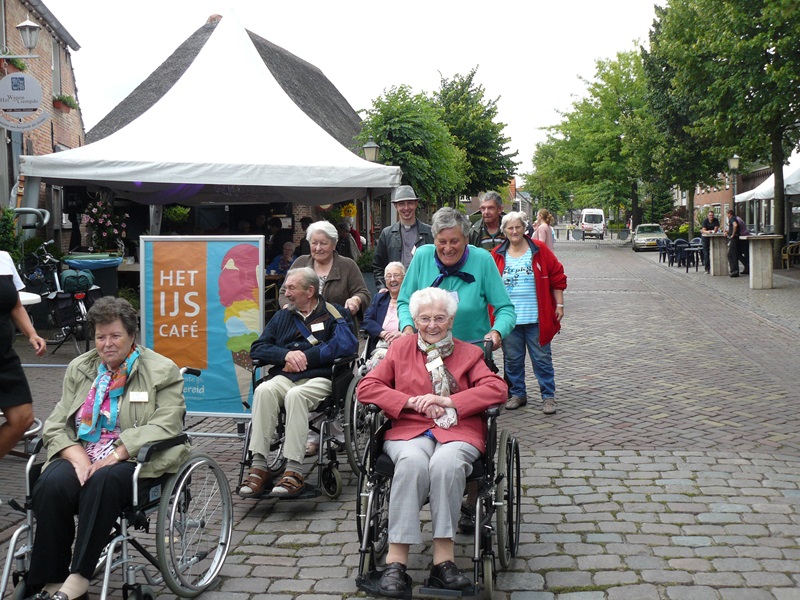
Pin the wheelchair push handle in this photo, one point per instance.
(191, 371)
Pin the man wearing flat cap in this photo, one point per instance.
(399, 241)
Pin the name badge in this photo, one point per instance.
(317, 326)
(139, 397)
(454, 294)
(434, 364)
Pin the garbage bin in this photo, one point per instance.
(102, 266)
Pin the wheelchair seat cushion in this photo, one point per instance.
(385, 467)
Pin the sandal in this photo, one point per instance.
(312, 448)
(290, 486)
(256, 482)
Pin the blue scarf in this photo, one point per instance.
(455, 270)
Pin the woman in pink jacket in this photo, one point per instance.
(434, 389)
(535, 282)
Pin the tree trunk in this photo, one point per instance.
(779, 204)
(636, 214)
(690, 209)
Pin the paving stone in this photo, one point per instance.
(514, 581)
(750, 594)
(691, 593)
(567, 579)
(611, 578)
(634, 592)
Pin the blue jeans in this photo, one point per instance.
(514, 361)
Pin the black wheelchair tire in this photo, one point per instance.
(210, 492)
(331, 481)
(488, 576)
(355, 438)
(502, 507)
(515, 496)
(20, 591)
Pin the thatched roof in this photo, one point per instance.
(305, 84)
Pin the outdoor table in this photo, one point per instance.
(27, 299)
(694, 252)
(761, 260)
(718, 252)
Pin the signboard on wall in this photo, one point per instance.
(21, 102)
(202, 305)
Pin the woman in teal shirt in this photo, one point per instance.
(469, 273)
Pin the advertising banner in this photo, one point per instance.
(203, 306)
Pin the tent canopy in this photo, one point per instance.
(225, 132)
(766, 189)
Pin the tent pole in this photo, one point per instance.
(156, 211)
(368, 213)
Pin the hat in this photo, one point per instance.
(403, 193)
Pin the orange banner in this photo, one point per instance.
(180, 317)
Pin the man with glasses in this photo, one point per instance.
(400, 241)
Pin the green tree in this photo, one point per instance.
(413, 135)
(745, 59)
(471, 120)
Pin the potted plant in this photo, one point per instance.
(64, 103)
(15, 65)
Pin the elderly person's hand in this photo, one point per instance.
(496, 339)
(353, 304)
(430, 405)
(296, 362)
(390, 336)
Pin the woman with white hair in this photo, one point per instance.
(340, 278)
(434, 389)
(380, 320)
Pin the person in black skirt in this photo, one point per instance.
(15, 400)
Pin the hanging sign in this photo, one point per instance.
(21, 102)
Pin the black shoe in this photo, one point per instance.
(39, 596)
(394, 581)
(446, 575)
(466, 524)
(734, 274)
(745, 272)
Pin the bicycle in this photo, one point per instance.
(41, 271)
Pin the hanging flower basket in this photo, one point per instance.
(60, 106)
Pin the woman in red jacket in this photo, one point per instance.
(535, 282)
(434, 389)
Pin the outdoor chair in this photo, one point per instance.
(680, 246)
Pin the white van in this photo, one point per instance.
(593, 223)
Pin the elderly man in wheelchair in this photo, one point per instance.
(434, 390)
(302, 342)
(116, 399)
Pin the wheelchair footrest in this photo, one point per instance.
(369, 583)
(435, 592)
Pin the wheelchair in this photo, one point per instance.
(326, 464)
(496, 475)
(194, 522)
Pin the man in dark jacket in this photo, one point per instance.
(486, 232)
(399, 241)
(301, 341)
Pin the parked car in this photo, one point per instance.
(593, 223)
(646, 236)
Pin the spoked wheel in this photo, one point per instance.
(195, 519)
(331, 481)
(356, 428)
(502, 507)
(376, 523)
(514, 496)
(488, 576)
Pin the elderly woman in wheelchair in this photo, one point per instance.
(434, 390)
(380, 320)
(116, 399)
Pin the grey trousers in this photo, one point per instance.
(424, 468)
(298, 398)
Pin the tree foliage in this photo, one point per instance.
(471, 120)
(412, 135)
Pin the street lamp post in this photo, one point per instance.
(372, 152)
(733, 165)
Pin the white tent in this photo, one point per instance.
(766, 189)
(226, 124)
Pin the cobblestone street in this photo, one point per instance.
(671, 470)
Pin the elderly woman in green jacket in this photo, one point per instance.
(116, 398)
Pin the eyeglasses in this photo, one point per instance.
(394, 276)
(438, 319)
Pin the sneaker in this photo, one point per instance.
(516, 402)
(734, 274)
(549, 406)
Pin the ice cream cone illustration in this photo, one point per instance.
(238, 293)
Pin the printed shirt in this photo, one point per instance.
(521, 287)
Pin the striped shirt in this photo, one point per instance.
(521, 287)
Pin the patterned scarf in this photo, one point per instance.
(101, 406)
(455, 270)
(442, 381)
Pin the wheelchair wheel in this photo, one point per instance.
(20, 591)
(514, 490)
(195, 519)
(356, 428)
(375, 525)
(488, 576)
(502, 505)
(331, 481)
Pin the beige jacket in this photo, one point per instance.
(160, 417)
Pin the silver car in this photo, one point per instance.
(646, 236)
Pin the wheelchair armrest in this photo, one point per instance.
(36, 445)
(146, 451)
(373, 408)
(345, 360)
(493, 411)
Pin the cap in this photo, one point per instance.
(403, 193)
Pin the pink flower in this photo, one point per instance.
(105, 234)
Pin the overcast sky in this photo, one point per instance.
(529, 53)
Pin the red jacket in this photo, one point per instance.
(549, 275)
(402, 374)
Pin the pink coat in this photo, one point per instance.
(403, 374)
